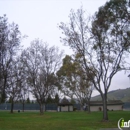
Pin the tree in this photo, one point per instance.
(49, 99)
(74, 82)
(57, 99)
(42, 63)
(9, 43)
(28, 100)
(73, 101)
(9, 101)
(103, 43)
(12, 88)
(24, 93)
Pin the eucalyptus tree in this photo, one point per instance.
(41, 63)
(10, 38)
(74, 82)
(103, 42)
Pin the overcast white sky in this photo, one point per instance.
(39, 19)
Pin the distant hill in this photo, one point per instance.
(120, 94)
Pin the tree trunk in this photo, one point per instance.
(3, 95)
(88, 107)
(23, 106)
(12, 107)
(105, 113)
(41, 109)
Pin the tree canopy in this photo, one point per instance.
(103, 42)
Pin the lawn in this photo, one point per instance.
(59, 120)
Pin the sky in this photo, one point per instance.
(40, 19)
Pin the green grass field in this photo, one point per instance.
(59, 120)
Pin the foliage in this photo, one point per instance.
(49, 99)
(22, 74)
(10, 38)
(103, 43)
(9, 101)
(12, 88)
(41, 63)
(28, 100)
(74, 82)
(57, 98)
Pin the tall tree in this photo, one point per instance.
(102, 43)
(74, 82)
(9, 43)
(57, 98)
(42, 63)
(24, 93)
(49, 99)
(28, 100)
(12, 88)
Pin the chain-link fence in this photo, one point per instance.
(47, 107)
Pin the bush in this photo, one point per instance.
(74, 109)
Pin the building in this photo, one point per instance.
(112, 105)
(65, 105)
(126, 106)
